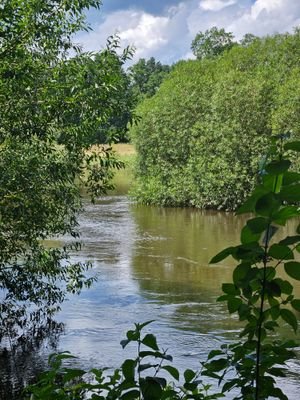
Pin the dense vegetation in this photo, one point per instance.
(202, 136)
(52, 106)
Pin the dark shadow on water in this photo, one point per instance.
(21, 365)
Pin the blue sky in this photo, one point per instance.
(165, 28)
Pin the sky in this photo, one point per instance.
(164, 29)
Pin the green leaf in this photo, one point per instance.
(290, 193)
(290, 240)
(267, 205)
(280, 252)
(155, 354)
(278, 167)
(71, 374)
(276, 372)
(214, 353)
(189, 375)
(273, 289)
(172, 371)
(128, 369)
(275, 312)
(295, 146)
(151, 389)
(150, 341)
(289, 317)
(296, 304)
(217, 365)
(247, 236)
(124, 343)
(234, 304)
(258, 225)
(249, 205)
(285, 286)
(132, 335)
(222, 255)
(143, 367)
(240, 272)
(249, 252)
(230, 288)
(292, 268)
(290, 177)
(141, 326)
(131, 395)
(285, 213)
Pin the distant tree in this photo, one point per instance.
(146, 77)
(212, 43)
(248, 39)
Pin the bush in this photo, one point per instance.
(202, 135)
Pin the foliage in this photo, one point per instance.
(131, 381)
(212, 43)
(51, 106)
(146, 76)
(202, 135)
(260, 295)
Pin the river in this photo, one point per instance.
(153, 264)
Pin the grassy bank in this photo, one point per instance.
(123, 178)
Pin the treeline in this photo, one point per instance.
(202, 136)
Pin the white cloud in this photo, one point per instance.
(168, 37)
(267, 17)
(215, 5)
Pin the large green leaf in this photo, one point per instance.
(289, 317)
(290, 193)
(296, 304)
(150, 341)
(128, 369)
(151, 389)
(278, 167)
(230, 288)
(234, 304)
(249, 205)
(290, 240)
(240, 272)
(247, 236)
(292, 146)
(258, 225)
(267, 205)
(172, 371)
(292, 268)
(280, 252)
(222, 255)
(285, 213)
(290, 177)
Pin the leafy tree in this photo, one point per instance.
(51, 106)
(146, 77)
(212, 43)
(248, 39)
(202, 135)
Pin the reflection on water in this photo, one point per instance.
(152, 263)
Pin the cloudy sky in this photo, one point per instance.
(165, 28)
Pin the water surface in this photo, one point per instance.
(152, 263)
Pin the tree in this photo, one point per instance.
(147, 76)
(201, 137)
(212, 43)
(51, 106)
(248, 39)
